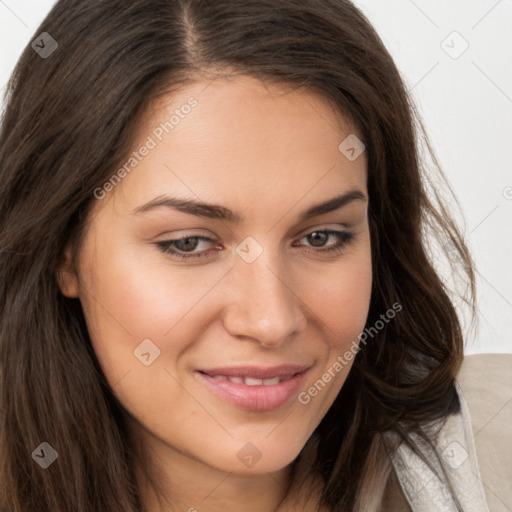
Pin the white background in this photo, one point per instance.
(466, 103)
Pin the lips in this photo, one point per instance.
(254, 388)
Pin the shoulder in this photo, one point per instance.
(486, 384)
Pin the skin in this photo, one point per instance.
(270, 154)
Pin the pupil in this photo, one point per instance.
(187, 244)
(317, 238)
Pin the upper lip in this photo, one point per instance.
(257, 372)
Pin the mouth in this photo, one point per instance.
(253, 388)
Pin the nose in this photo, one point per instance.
(262, 306)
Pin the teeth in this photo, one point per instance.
(249, 381)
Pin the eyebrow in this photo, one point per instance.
(214, 211)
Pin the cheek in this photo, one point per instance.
(340, 303)
(139, 315)
(344, 304)
(141, 305)
(143, 296)
(340, 298)
(128, 299)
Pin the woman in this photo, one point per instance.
(216, 289)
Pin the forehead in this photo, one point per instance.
(251, 92)
(235, 139)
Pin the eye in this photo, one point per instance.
(196, 247)
(183, 248)
(319, 239)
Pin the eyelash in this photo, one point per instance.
(344, 239)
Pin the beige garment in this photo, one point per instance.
(485, 388)
(485, 382)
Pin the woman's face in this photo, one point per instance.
(228, 347)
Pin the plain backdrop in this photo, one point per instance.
(456, 59)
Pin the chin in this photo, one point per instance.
(259, 456)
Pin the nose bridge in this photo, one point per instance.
(263, 307)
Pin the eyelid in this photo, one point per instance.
(186, 233)
(324, 227)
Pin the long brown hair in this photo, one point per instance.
(68, 122)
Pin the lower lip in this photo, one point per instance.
(254, 398)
